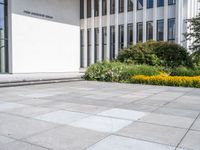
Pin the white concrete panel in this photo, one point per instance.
(42, 44)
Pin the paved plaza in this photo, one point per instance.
(87, 115)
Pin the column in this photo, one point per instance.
(134, 21)
(85, 34)
(125, 22)
(155, 20)
(166, 20)
(116, 28)
(92, 32)
(100, 31)
(144, 21)
(108, 30)
(178, 21)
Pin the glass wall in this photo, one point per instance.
(82, 49)
(139, 32)
(96, 8)
(121, 36)
(171, 30)
(139, 4)
(130, 34)
(96, 40)
(112, 6)
(160, 3)
(121, 6)
(104, 7)
(104, 42)
(160, 30)
(3, 37)
(149, 30)
(130, 5)
(112, 42)
(149, 3)
(89, 46)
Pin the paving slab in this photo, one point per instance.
(62, 117)
(102, 124)
(67, 138)
(196, 125)
(191, 141)
(154, 133)
(123, 114)
(5, 140)
(168, 120)
(123, 143)
(4, 106)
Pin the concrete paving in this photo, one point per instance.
(99, 116)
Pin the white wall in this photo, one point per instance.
(41, 44)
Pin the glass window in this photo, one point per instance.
(149, 30)
(104, 42)
(139, 32)
(130, 5)
(3, 38)
(112, 6)
(82, 9)
(121, 6)
(104, 7)
(160, 30)
(171, 2)
(89, 8)
(96, 8)
(139, 4)
(121, 36)
(112, 42)
(160, 3)
(82, 49)
(149, 3)
(89, 46)
(130, 34)
(96, 40)
(171, 30)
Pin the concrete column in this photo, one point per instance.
(166, 21)
(85, 34)
(134, 21)
(155, 20)
(92, 32)
(125, 22)
(116, 27)
(108, 30)
(144, 21)
(100, 31)
(178, 21)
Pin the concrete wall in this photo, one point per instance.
(45, 36)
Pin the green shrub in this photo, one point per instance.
(183, 71)
(118, 72)
(156, 53)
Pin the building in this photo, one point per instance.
(65, 35)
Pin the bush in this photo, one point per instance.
(156, 53)
(168, 80)
(183, 71)
(118, 72)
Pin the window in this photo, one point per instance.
(89, 46)
(89, 8)
(149, 30)
(149, 4)
(160, 30)
(139, 32)
(112, 42)
(121, 36)
(171, 30)
(104, 42)
(3, 38)
(96, 43)
(130, 5)
(82, 49)
(82, 9)
(104, 7)
(171, 2)
(96, 8)
(130, 34)
(121, 6)
(112, 6)
(139, 4)
(160, 3)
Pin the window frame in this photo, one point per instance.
(168, 28)
(173, 3)
(147, 31)
(157, 33)
(148, 4)
(139, 23)
(129, 5)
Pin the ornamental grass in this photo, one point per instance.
(164, 79)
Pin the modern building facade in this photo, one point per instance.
(66, 35)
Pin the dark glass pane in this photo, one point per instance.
(121, 36)
(121, 6)
(104, 7)
(139, 32)
(96, 8)
(171, 30)
(112, 6)
(160, 3)
(82, 9)
(130, 5)
(82, 49)
(139, 4)
(104, 42)
(89, 8)
(130, 34)
(160, 30)
(150, 30)
(112, 42)
(171, 2)
(96, 40)
(150, 3)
